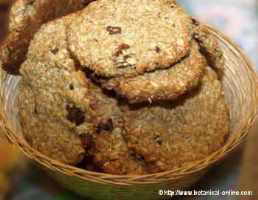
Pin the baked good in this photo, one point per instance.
(170, 134)
(25, 18)
(50, 117)
(127, 53)
(76, 105)
(63, 114)
(123, 49)
(111, 154)
(209, 46)
(114, 38)
(162, 84)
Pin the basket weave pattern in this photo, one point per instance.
(240, 86)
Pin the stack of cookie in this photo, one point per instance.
(120, 87)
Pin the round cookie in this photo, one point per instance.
(117, 38)
(63, 114)
(165, 84)
(169, 135)
(25, 18)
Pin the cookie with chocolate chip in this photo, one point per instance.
(117, 38)
(167, 84)
(124, 86)
(169, 135)
(64, 114)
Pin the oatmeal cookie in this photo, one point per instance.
(210, 47)
(170, 134)
(117, 38)
(165, 84)
(25, 18)
(111, 154)
(51, 101)
(76, 68)
(63, 114)
(47, 134)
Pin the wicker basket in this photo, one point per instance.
(240, 85)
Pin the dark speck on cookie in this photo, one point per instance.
(157, 49)
(114, 30)
(105, 126)
(55, 51)
(75, 115)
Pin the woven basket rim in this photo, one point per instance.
(175, 174)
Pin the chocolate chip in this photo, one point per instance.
(54, 51)
(157, 49)
(158, 140)
(127, 57)
(105, 126)
(195, 22)
(31, 2)
(120, 49)
(71, 87)
(75, 115)
(114, 30)
(87, 141)
(136, 156)
(35, 111)
(124, 46)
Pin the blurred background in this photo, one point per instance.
(236, 18)
(20, 180)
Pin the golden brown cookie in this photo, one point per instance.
(25, 18)
(50, 101)
(63, 114)
(67, 113)
(167, 84)
(209, 47)
(111, 155)
(170, 134)
(46, 133)
(61, 111)
(118, 38)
